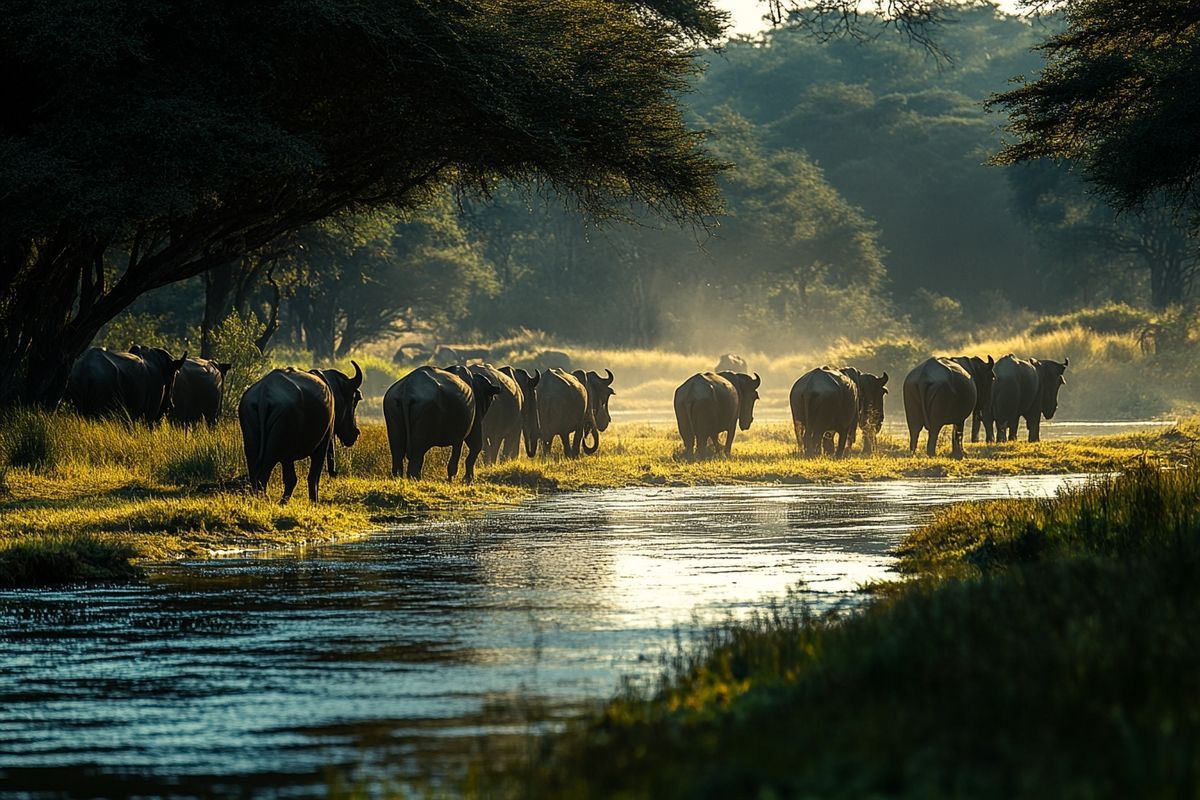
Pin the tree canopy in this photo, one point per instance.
(145, 142)
(1119, 95)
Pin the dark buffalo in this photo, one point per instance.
(829, 402)
(562, 410)
(938, 392)
(502, 422)
(290, 414)
(199, 391)
(710, 402)
(431, 407)
(597, 418)
(1026, 389)
(982, 372)
(136, 385)
(531, 427)
(732, 362)
(871, 389)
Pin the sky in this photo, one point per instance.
(747, 14)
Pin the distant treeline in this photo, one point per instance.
(858, 205)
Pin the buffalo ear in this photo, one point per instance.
(224, 367)
(176, 365)
(1066, 363)
(581, 375)
(883, 379)
(534, 378)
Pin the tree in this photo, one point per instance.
(144, 143)
(357, 283)
(1117, 96)
(1095, 247)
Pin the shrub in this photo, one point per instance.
(234, 340)
(27, 440)
(1114, 318)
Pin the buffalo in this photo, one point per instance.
(732, 362)
(136, 385)
(596, 418)
(199, 391)
(938, 392)
(290, 414)
(562, 411)
(710, 402)
(1026, 389)
(530, 419)
(502, 424)
(431, 407)
(983, 374)
(828, 402)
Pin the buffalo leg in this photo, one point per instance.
(472, 454)
(728, 440)
(260, 479)
(976, 423)
(914, 433)
(452, 464)
(332, 470)
(827, 443)
(1012, 429)
(416, 460)
(799, 434)
(314, 475)
(571, 444)
(1034, 426)
(512, 445)
(956, 442)
(843, 439)
(931, 443)
(289, 479)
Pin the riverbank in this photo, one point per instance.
(1043, 648)
(82, 500)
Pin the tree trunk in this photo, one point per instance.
(218, 302)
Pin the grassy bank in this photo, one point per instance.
(1046, 648)
(80, 499)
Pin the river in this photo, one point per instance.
(402, 653)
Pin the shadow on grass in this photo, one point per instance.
(54, 561)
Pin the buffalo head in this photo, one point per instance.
(161, 369)
(747, 389)
(1050, 380)
(347, 394)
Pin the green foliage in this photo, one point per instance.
(205, 158)
(234, 341)
(1117, 318)
(937, 317)
(1115, 97)
(892, 356)
(127, 330)
(57, 560)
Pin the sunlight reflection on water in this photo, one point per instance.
(254, 674)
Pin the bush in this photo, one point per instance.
(234, 340)
(1114, 318)
(896, 357)
(27, 440)
(127, 330)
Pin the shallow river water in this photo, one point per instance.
(403, 652)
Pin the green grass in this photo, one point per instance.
(165, 492)
(1043, 649)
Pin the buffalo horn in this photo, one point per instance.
(1066, 362)
(356, 381)
(883, 379)
(608, 381)
(757, 381)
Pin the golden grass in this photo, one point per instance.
(166, 493)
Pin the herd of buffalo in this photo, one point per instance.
(292, 414)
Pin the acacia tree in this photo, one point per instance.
(180, 136)
(1117, 97)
